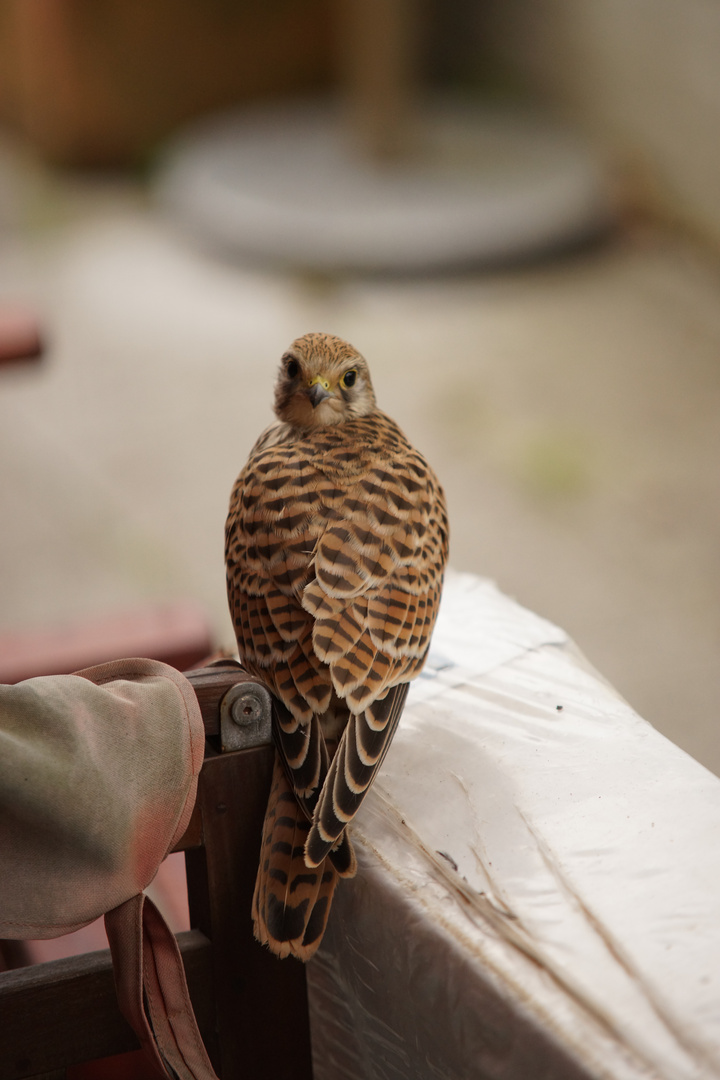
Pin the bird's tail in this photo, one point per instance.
(292, 901)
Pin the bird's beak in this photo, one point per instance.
(318, 389)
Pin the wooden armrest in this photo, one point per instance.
(250, 711)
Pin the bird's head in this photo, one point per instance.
(322, 381)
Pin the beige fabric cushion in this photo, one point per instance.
(98, 776)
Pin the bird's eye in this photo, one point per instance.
(292, 368)
(349, 378)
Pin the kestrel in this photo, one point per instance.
(336, 544)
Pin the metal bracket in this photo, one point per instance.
(245, 717)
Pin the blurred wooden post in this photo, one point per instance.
(378, 58)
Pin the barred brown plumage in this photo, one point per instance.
(336, 544)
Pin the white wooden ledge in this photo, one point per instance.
(539, 883)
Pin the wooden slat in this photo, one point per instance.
(65, 1012)
(193, 835)
(262, 1011)
(13, 954)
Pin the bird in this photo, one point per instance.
(336, 544)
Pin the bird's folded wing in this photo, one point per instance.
(363, 746)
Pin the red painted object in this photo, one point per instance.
(20, 337)
(178, 634)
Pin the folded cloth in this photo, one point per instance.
(98, 775)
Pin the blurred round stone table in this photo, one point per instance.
(475, 185)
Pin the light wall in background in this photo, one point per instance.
(645, 74)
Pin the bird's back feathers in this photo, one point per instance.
(336, 544)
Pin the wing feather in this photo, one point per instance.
(352, 771)
(304, 755)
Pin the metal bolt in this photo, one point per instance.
(245, 717)
(247, 708)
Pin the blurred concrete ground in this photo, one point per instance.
(572, 410)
